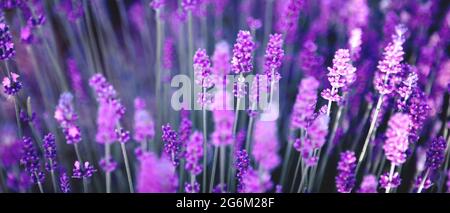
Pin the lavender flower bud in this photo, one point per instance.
(305, 103)
(242, 165)
(369, 184)
(30, 160)
(194, 153)
(273, 57)
(7, 50)
(11, 86)
(393, 183)
(265, 145)
(144, 128)
(436, 153)
(171, 143)
(50, 152)
(64, 183)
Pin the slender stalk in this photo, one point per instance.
(369, 134)
(302, 181)
(127, 167)
(213, 171)
(52, 174)
(108, 173)
(287, 158)
(295, 174)
(267, 20)
(41, 189)
(205, 146)
(222, 167)
(391, 174)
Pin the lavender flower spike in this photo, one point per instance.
(345, 181)
(30, 160)
(241, 62)
(273, 57)
(396, 143)
(67, 118)
(305, 103)
(194, 152)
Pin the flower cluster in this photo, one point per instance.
(342, 74)
(64, 183)
(11, 86)
(315, 138)
(387, 182)
(396, 143)
(273, 57)
(345, 180)
(305, 103)
(369, 184)
(171, 143)
(241, 62)
(242, 165)
(7, 50)
(156, 175)
(85, 170)
(50, 152)
(436, 153)
(67, 118)
(387, 79)
(144, 128)
(194, 153)
(30, 160)
(265, 145)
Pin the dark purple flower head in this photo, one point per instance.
(10, 151)
(192, 188)
(171, 143)
(30, 160)
(108, 164)
(24, 117)
(19, 182)
(369, 184)
(64, 182)
(7, 50)
(11, 86)
(242, 165)
(436, 153)
(396, 144)
(194, 153)
(241, 63)
(345, 181)
(123, 135)
(385, 182)
(11, 4)
(274, 57)
(418, 109)
(50, 152)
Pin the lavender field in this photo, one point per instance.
(224, 96)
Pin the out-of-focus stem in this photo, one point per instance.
(108, 173)
(52, 174)
(287, 158)
(127, 167)
(302, 181)
(41, 189)
(267, 20)
(222, 167)
(213, 171)
(296, 172)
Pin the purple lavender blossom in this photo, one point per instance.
(192, 188)
(64, 183)
(189, 5)
(108, 165)
(310, 61)
(171, 143)
(396, 144)
(50, 152)
(369, 184)
(194, 153)
(345, 181)
(255, 182)
(144, 128)
(265, 145)
(85, 170)
(7, 50)
(123, 135)
(253, 23)
(305, 103)
(30, 160)
(426, 184)
(202, 69)
(436, 153)
(273, 57)
(386, 80)
(11, 86)
(342, 74)
(168, 54)
(156, 175)
(241, 63)
(242, 165)
(385, 182)
(316, 136)
(67, 118)
(10, 150)
(289, 15)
